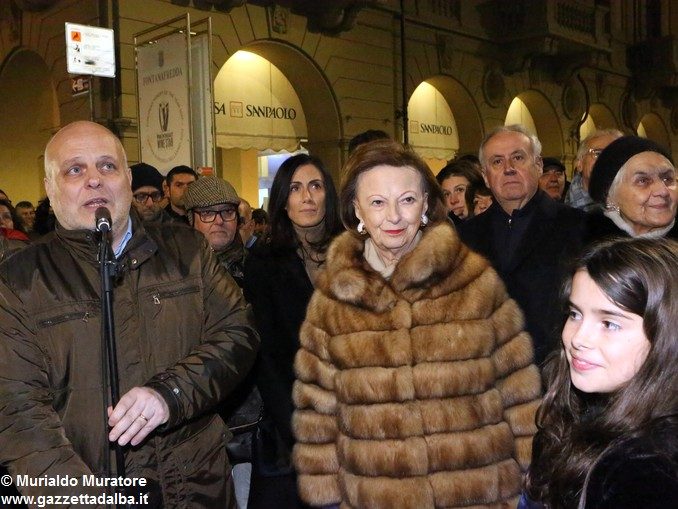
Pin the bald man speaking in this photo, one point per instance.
(184, 340)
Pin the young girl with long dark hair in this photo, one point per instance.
(608, 425)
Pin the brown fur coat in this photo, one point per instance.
(417, 392)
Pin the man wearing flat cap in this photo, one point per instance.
(212, 207)
(147, 192)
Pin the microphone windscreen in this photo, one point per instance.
(102, 217)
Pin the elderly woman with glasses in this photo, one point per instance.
(415, 383)
(634, 180)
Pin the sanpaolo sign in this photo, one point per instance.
(269, 112)
(239, 110)
(446, 130)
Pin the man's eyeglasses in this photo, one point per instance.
(156, 196)
(594, 152)
(208, 216)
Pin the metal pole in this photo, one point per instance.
(136, 96)
(109, 350)
(403, 68)
(91, 97)
(189, 65)
(211, 105)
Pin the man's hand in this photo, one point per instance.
(138, 412)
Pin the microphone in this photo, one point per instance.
(102, 216)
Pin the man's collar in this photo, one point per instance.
(250, 242)
(125, 239)
(518, 210)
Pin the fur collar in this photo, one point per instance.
(348, 277)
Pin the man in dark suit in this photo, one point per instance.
(527, 236)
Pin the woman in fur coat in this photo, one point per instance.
(415, 383)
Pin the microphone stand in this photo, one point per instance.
(107, 266)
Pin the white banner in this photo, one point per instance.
(164, 114)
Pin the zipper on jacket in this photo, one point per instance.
(64, 318)
(175, 293)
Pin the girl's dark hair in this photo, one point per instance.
(18, 224)
(390, 153)
(463, 167)
(45, 221)
(283, 235)
(576, 429)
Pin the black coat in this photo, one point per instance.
(278, 288)
(599, 227)
(640, 472)
(552, 238)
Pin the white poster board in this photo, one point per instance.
(164, 114)
(202, 102)
(90, 50)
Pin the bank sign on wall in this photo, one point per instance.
(164, 118)
(256, 107)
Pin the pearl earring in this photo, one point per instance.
(424, 219)
(361, 228)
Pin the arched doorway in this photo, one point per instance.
(533, 110)
(432, 127)
(450, 105)
(466, 113)
(599, 117)
(33, 115)
(651, 126)
(307, 87)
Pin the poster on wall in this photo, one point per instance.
(90, 50)
(164, 110)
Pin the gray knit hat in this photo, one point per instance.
(208, 191)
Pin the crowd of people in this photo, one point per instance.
(489, 335)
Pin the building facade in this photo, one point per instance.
(562, 67)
